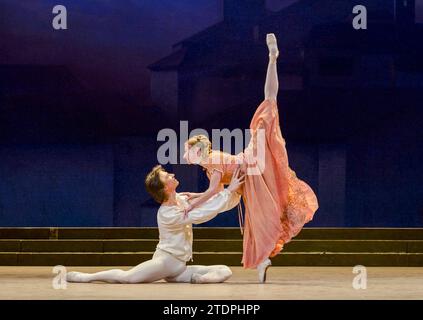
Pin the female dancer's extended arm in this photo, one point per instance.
(214, 187)
(271, 85)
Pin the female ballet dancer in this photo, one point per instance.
(277, 203)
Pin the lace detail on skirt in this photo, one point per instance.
(300, 209)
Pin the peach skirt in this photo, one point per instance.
(277, 203)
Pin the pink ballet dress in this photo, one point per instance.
(277, 203)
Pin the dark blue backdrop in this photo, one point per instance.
(80, 108)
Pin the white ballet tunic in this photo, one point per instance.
(175, 231)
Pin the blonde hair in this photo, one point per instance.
(202, 141)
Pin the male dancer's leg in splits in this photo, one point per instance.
(162, 266)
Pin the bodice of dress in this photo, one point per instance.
(225, 163)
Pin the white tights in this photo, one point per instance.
(162, 266)
(271, 85)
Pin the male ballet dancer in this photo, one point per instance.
(175, 230)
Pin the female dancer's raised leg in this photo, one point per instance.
(271, 88)
(271, 85)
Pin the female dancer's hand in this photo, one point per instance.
(187, 210)
(190, 195)
(237, 180)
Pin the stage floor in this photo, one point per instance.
(283, 283)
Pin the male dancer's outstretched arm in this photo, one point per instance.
(223, 201)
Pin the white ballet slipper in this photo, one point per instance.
(74, 276)
(273, 46)
(196, 278)
(262, 270)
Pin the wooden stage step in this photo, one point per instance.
(207, 233)
(130, 246)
